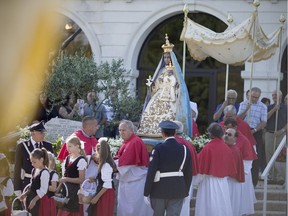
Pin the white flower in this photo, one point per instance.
(200, 142)
(114, 145)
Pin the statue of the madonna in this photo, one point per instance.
(167, 96)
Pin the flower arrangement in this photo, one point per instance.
(200, 141)
(114, 145)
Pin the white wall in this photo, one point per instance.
(118, 28)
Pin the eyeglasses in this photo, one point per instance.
(228, 134)
(255, 96)
(231, 98)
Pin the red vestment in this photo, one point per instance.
(239, 175)
(245, 147)
(216, 159)
(195, 131)
(133, 152)
(244, 128)
(193, 152)
(89, 143)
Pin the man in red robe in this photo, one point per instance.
(179, 138)
(245, 147)
(242, 126)
(132, 165)
(248, 155)
(235, 186)
(216, 164)
(86, 134)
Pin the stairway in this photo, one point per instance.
(276, 200)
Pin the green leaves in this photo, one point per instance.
(78, 74)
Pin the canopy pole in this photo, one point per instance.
(230, 21)
(282, 20)
(256, 4)
(227, 79)
(186, 11)
(184, 59)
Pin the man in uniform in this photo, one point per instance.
(170, 166)
(23, 167)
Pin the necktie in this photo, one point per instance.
(37, 145)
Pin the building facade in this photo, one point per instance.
(118, 28)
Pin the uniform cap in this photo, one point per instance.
(168, 125)
(39, 126)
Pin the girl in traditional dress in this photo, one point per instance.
(39, 182)
(47, 204)
(103, 202)
(6, 186)
(74, 174)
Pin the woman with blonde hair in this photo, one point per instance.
(74, 167)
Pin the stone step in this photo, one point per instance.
(276, 200)
(257, 213)
(272, 205)
(269, 213)
(272, 194)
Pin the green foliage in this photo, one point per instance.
(57, 145)
(78, 74)
(75, 74)
(24, 134)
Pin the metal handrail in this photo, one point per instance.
(268, 168)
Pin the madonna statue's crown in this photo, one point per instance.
(167, 47)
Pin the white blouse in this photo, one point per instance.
(106, 175)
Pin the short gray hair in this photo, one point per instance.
(230, 108)
(256, 89)
(181, 127)
(232, 91)
(129, 124)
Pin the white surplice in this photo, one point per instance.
(212, 196)
(131, 191)
(248, 191)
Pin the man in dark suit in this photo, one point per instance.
(23, 167)
(170, 166)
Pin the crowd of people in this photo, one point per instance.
(147, 187)
(243, 139)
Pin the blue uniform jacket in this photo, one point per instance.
(168, 157)
(22, 161)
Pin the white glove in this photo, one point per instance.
(147, 201)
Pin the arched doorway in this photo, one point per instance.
(205, 80)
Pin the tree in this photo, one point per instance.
(77, 74)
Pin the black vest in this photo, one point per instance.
(71, 170)
(36, 181)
